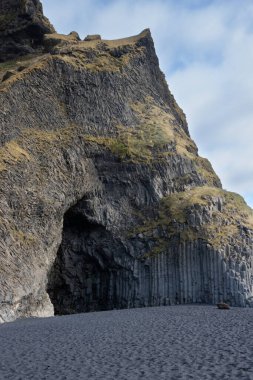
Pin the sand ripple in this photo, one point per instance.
(174, 342)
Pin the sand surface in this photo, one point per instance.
(173, 342)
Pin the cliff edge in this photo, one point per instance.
(105, 202)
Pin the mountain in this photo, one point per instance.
(105, 202)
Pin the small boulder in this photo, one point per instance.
(8, 74)
(75, 35)
(21, 68)
(223, 306)
(92, 37)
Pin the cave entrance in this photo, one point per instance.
(84, 276)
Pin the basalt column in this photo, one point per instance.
(86, 276)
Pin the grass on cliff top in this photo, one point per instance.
(224, 223)
(60, 37)
(116, 43)
(98, 55)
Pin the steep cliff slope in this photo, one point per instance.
(105, 202)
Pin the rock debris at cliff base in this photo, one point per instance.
(105, 202)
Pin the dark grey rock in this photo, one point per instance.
(8, 74)
(22, 26)
(75, 34)
(92, 37)
(105, 202)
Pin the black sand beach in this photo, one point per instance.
(174, 342)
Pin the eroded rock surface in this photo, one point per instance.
(22, 26)
(105, 202)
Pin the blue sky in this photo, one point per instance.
(205, 48)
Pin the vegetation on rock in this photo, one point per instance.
(214, 215)
(105, 201)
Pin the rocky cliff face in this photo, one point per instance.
(22, 26)
(105, 202)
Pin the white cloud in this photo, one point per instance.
(207, 55)
(218, 102)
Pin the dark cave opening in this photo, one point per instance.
(85, 276)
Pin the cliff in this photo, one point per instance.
(22, 27)
(105, 202)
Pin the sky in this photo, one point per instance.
(205, 49)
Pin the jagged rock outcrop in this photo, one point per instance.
(22, 26)
(105, 201)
